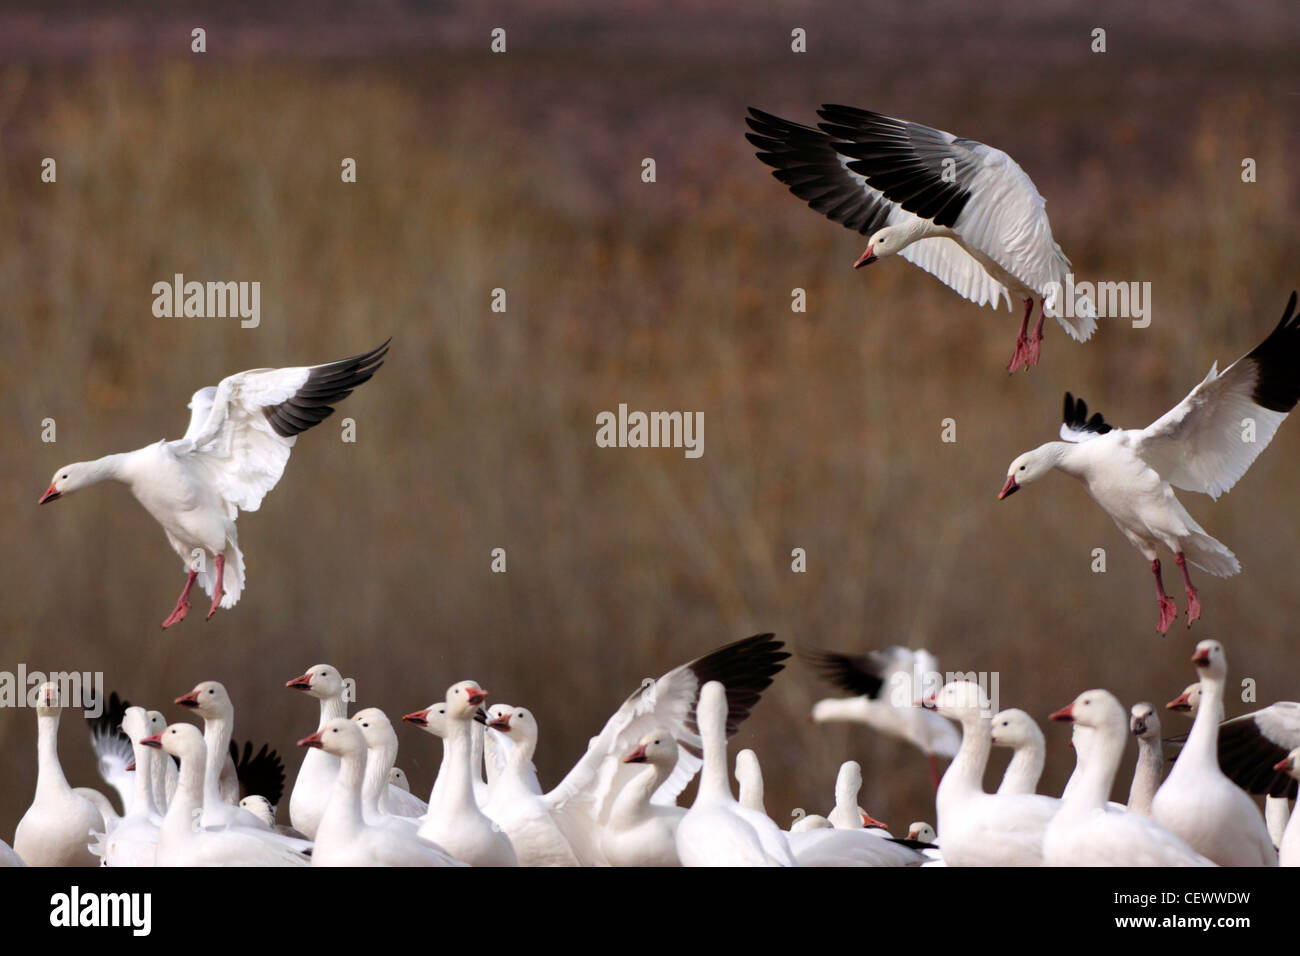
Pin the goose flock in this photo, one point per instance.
(969, 215)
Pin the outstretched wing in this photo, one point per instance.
(261, 773)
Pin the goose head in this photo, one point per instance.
(397, 777)
(1210, 660)
(321, 681)
(1014, 728)
(208, 699)
(68, 479)
(432, 720)
(515, 722)
(1188, 702)
(1093, 709)
(884, 242)
(376, 728)
(136, 724)
(921, 831)
(259, 807)
(47, 700)
(182, 741)
(461, 703)
(961, 700)
(1144, 722)
(657, 748)
(339, 736)
(1026, 469)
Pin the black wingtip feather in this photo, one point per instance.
(110, 720)
(261, 773)
(861, 676)
(326, 386)
(1277, 360)
(1076, 417)
(745, 668)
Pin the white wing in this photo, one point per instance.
(254, 418)
(1209, 439)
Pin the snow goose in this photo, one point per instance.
(1144, 724)
(1204, 444)
(640, 832)
(1016, 729)
(134, 840)
(581, 802)
(234, 452)
(211, 701)
(55, 830)
(433, 720)
(454, 821)
(1196, 801)
(345, 837)
(887, 685)
(1086, 831)
(1290, 846)
(397, 777)
(181, 843)
(495, 748)
(311, 788)
(716, 830)
(978, 828)
(264, 810)
(749, 780)
(850, 839)
(964, 212)
(379, 798)
(113, 750)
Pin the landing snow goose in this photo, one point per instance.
(638, 831)
(55, 830)
(964, 212)
(311, 788)
(234, 452)
(454, 821)
(1086, 831)
(717, 830)
(887, 685)
(1016, 729)
(580, 804)
(1289, 851)
(1204, 444)
(1196, 801)
(345, 837)
(181, 843)
(134, 840)
(379, 798)
(1144, 724)
(977, 828)
(211, 701)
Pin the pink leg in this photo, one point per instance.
(1193, 605)
(216, 592)
(182, 603)
(1037, 337)
(1021, 355)
(1168, 609)
(934, 771)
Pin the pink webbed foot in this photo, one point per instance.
(1193, 606)
(1024, 355)
(1168, 613)
(1034, 347)
(178, 614)
(216, 591)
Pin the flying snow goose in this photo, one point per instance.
(234, 452)
(1087, 831)
(960, 210)
(181, 843)
(311, 788)
(1289, 851)
(887, 685)
(55, 830)
(1144, 724)
(1204, 444)
(211, 701)
(113, 750)
(581, 802)
(454, 821)
(379, 798)
(638, 831)
(716, 830)
(1016, 729)
(1196, 801)
(978, 828)
(134, 840)
(345, 837)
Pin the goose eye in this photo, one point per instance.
(1022, 467)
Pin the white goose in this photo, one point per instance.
(134, 841)
(234, 451)
(163, 773)
(1204, 444)
(1016, 729)
(749, 780)
(638, 831)
(379, 798)
(978, 828)
(454, 821)
(345, 837)
(716, 830)
(887, 685)
(311, 788)
(846, 840)
(113, 751)
(433, 720)
(55, 830)
(397, 777)
(1086, 831)
(211, 701)
(182, 843)
(1196, 801)
(1144, 724)
(960, 210)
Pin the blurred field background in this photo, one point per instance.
(522, 171)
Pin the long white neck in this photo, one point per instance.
(1203, 742)
(216, 738)
(1098, 764)
(633, 802)
(846, 816)
(379, 760)
(751, 791)
(50, 780)
(455, 789)
(714, 782)
(1025, 768)
(1146, 776)
(143, 805)
(914, 230)
(965, 775)
(343, 814)
(109, 468)
(330, 708)
(187, 802)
